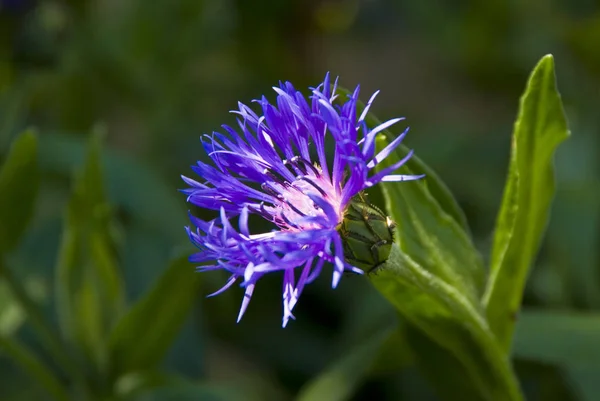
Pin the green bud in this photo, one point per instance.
(367, 234)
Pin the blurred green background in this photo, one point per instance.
(152, 76)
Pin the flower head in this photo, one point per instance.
(276, 166)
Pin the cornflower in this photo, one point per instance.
(276, 166)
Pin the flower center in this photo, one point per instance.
(296, 210)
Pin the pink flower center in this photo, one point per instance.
(295, 206)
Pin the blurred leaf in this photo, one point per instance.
(447, 315)
(435, 186)
(144, 257)
(88, 284)
(342, 378)
(369, 314)
(395, 354)
(441, 367)
(574, 259)
(131, 385)
(559, 338)
(584, 381)
(11, 313)
(432, 238)
(144, 334)
(540, 127)
(43, 329)
(157, 385)
(12, 106)
(131, 185)
(42, 374)
(565, 339)
(196, 392)
(19, 179)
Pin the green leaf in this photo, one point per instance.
(436, 280)
(540, 127)
(431, 226)
(144, 334)
(195, 392)
(584, 381)
(47, 335)
(88, 284)
(448, 316)
(436, 187)
(19, 179)
(439, 365)
(565, 339)
(12, 314)
(396, 353)
(129, 183)
(41, 373)
(341, 379)
(13, 108)
(558, 338)
(160, 386)
(130, 386)
(428, 234)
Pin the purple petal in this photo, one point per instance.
(229, 283)
(387, 150)
(368, 106)
(395, 178)
(339, 264)
(377, 177)
(246, 300)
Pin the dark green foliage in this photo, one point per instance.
(19, 179)
(144, 334)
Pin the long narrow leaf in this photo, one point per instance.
(89, 288)
(540, 127)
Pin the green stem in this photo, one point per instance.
(48, 336)
(451, 320)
